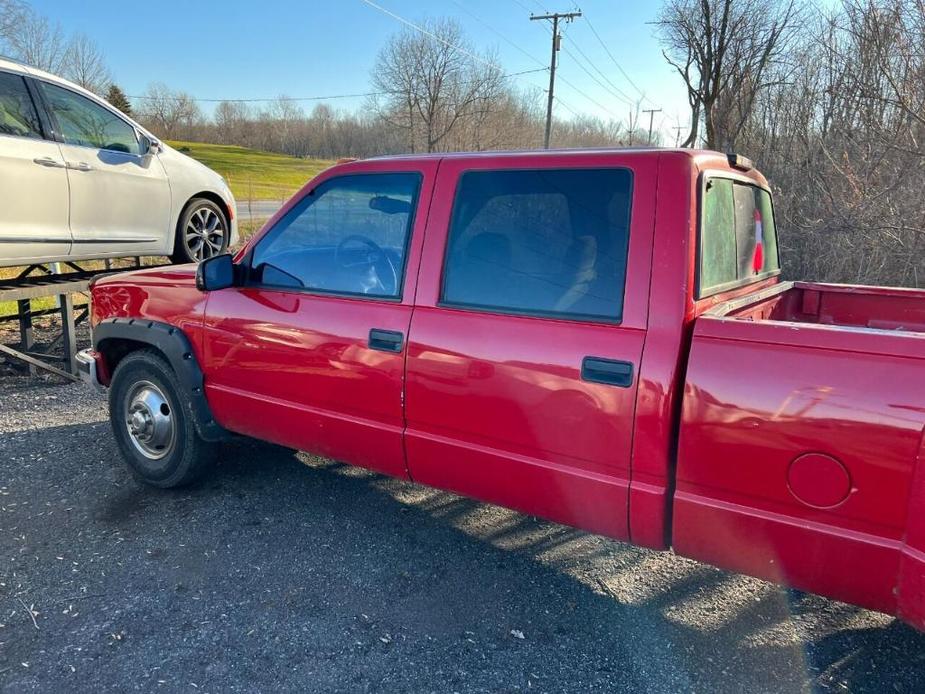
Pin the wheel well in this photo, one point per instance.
(115, 349)
(213, 197)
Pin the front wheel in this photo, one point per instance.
(201, 233)
(152, 420)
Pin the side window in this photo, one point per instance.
(738, 238)
(17, 112)
(542, 242)
(83, 122)
(348, 236)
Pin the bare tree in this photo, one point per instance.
(722, 49)
(36, 41)
(433, 82)
(11, 16)
(231, 122)
(86, 66)
(168, 113)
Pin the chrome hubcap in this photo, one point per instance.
(204, 234)
(149, 420)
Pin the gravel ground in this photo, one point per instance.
(291, 573)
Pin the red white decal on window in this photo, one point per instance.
(758, 258)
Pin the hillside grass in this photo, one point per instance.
(251, 173)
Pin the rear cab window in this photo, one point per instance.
(737, 235)
(544, 242)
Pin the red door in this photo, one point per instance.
(528, 331)
(310, 353)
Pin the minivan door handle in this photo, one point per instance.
(610, 372)
(49, 162)
(385, 340)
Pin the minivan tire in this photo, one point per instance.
(202, 232)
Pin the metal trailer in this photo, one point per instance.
(36, 281)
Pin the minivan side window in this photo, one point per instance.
(738, 238)
(87, 124)
(18, 116)
(546, 242)
(348, 236)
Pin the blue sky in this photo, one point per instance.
(247, 50)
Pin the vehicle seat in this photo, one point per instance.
(486, 269)
(581, 268)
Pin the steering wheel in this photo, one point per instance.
(376, 259)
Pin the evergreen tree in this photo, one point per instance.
(117, 98)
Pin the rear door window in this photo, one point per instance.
(18, 116)
(738, 238)
(548, 242)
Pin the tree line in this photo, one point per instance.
(830, 103)
(430, 92)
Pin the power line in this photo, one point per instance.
(146, 97)
(575, 88)
(619, 93)
(418, 27)
(615, 62)
(520, 48)
(567, 107)
(499, 33)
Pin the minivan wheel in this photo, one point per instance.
(201, 233)
(152, 420)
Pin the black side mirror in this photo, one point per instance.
(215, 273)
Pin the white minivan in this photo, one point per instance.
(80, 180)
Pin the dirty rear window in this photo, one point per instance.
(738, 239)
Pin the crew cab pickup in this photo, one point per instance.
(601, 338)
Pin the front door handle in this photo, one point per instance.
(386, 340)
(610, 372)
(49, 162)
(79, 166)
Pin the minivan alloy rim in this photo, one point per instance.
(149, 421)
(205, 233)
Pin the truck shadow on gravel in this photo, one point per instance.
(292, 573)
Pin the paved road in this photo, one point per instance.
(291, 573)
(258, 209)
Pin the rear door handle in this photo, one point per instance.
(610, 372)
(48, 161)
(386, 340)
(79, 166)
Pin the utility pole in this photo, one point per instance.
(651, 112)
(556, 41)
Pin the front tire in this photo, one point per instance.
(152, 420)
(202, 232)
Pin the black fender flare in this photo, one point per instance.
(173, 344)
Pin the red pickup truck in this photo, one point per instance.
(600, 338)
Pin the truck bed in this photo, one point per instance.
(800, 440)
(850, 306)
